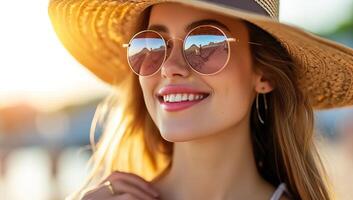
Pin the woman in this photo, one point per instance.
(213, 107)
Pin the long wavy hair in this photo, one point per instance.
(285, 146)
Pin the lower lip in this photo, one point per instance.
(177, 106)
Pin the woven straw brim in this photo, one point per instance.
(94, 30)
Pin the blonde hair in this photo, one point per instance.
(284, 146)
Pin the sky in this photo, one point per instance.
(35, 67)
(318, 16)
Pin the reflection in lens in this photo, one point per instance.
(206, 49)
(146, 52)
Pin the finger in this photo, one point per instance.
(99, 192)
(123, 187)
(125, 196)
(135, 180)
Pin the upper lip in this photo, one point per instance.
(172, 89)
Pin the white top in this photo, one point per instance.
(279, 191)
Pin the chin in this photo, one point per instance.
(175, 137)
(180, 135)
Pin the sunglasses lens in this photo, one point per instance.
(146, 53)
(206, 49)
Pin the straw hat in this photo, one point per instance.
(94, 30)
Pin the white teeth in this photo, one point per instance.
(185, 97)
(182, 97)
(177, 97)
(191, 97)
(172, 98)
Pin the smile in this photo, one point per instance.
(180, 101)
(175, 97)
(182, 97)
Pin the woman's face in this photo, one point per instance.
(231, 91)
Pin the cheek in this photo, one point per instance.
(234, 90)
(233, 97)
(239, 76)
(238, 85)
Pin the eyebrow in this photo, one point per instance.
(162, 28)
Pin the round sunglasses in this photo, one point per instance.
(206, 49)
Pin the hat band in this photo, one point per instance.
(247, 5)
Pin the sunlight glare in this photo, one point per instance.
(34, 66)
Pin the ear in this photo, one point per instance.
(262, 85)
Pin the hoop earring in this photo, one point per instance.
(257, 107)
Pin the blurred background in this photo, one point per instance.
(47, 101)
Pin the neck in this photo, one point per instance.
(221, 166)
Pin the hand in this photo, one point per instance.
(126, 186)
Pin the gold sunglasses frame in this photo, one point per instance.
(228, 39)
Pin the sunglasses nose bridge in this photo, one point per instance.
(167, 42)
(174, 62)
(169, 52)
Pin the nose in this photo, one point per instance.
(175, 64)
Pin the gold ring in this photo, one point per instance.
(110, 187)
